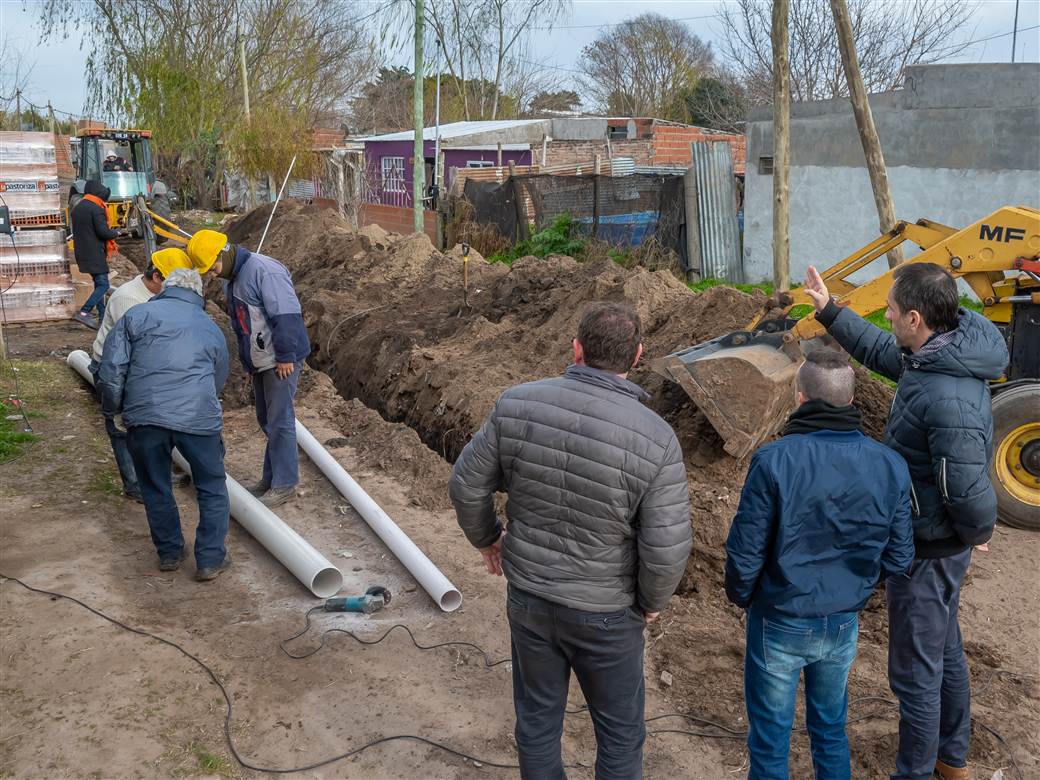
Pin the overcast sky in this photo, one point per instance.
(57, 66)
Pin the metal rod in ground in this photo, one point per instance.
(276, 202)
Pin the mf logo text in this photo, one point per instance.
(1001, 233)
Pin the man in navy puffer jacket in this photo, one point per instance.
(824, 514)
(942, 424)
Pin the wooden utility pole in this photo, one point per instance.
(868, 135)
(781, 148)
(18, 110)
(418, 163)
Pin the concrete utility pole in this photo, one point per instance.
(868, 135)
(781, 148)
(418, 164)
(18, 109)
(50, 115)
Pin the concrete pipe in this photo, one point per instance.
(293, 551)
(419, 566)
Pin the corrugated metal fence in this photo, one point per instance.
(717, 211)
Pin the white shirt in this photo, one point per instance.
(121, 301)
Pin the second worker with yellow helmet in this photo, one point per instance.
(272, 344)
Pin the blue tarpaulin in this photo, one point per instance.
(622, 229)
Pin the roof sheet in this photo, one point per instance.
(455, 130)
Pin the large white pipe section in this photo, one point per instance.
(293, 551)
(422, 568)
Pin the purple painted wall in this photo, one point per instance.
(375, 151)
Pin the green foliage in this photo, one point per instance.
(557, 239)
(716, 103)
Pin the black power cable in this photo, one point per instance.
(724, 732)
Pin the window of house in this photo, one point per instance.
(479, 164)
(617, 132)
(392, 170)
(765, 166)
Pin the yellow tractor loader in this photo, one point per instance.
(743, 381)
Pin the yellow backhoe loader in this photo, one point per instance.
(743, 381)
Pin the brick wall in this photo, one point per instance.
(398, 220)
(672, 145)
(570, 152)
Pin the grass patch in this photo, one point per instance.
(211, 762)
(707, 284)
(106, 483)
(13, 436)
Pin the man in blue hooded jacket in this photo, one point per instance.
(824, 514)
(163, 367)
(941, 422)
(272, 343)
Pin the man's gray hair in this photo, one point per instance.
(186, 278)
(827, 376)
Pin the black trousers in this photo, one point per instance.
(605, 650)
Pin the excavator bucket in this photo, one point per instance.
(743, 383)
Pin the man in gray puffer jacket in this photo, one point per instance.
(941, 422)
(598, 537)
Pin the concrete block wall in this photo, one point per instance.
(959, 142)
(398, 220)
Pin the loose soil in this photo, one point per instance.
(407, 364)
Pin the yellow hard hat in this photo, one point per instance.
(168, 259)
(205, 247)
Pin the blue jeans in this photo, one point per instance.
(97, 297)
(605, 650)
(779, 648)
(277, 418)
(927, 668)
(152, 448)
(117, 437)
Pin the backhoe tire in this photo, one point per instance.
(1015, 468)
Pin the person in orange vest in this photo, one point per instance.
(94, 241)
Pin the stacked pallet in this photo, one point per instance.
(35, 281)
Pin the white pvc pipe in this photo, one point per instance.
(415, 561)
(293, 551)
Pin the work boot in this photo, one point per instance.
(260, 488)
(85, 318)
(134, 495)
(277, 496)
(947, 772)
(212, 572)
(171, 564)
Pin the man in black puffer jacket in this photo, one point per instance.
(941, 423)
(598, 537)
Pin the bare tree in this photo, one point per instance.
(645, 66)
(486, 44)
(888, 36)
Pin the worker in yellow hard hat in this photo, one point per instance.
(272, 344)
(138, 290)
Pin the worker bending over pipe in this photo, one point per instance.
(163, 367)
(272, 344)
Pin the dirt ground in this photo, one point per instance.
(420, 362)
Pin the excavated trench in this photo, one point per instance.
(394, 330)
